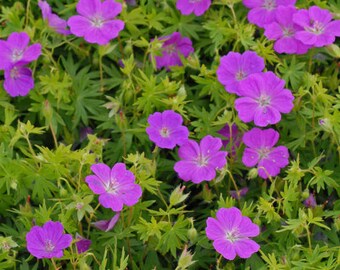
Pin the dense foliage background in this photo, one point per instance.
(90, 104)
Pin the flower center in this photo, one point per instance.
(269, 4)
(194, 1)
(112, 187)
(202, 161)
(264, 152)
(264, 100)
(164, 132)
(232, 235)
(14, 73)
(17, 55)
(240, 75)
(97, 21)
(316, 28)
(288, 32)
(49, 247)
(170, 48)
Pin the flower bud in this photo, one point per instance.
(192, 234)
(177, 195)
(326, 124)
(253, 173)
(185, 260)
(207, 194)
(305, 194)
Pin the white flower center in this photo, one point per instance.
(288, 32)
(170, 48)
(264, 152)
(240, 75)
(232, 235)
(202, 161)
(14, 73)
(49, 247)
(97, 21)
(264, 100)
(17, 55)
(317, 27)
(194, 1)
(164, 132)
(269, 4)
(112, 187)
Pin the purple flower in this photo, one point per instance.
(238, 194)
(18, 80)
(283, 31)
(84, 131)
(231, 233)
(16, 50)
(232, 135)
(310, 202)
(199, 162)
(115, 186)
(48, 241)
(260, 150)
(166, 129)
(198, 7)
(263, 99)
(318, 29)
(54, 21)
(82, 244)
(107, 225)
(173, 46)
(235, 67)
(263, 12)
(96, 21)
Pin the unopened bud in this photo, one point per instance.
(326, 124)
(192, 234)
(185, 260)
(253, 173)
(207, 194)
(177, 195)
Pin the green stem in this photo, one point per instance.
(27, 11)
(101, 72)
(31, 149)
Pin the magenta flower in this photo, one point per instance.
(82, 244)
(263, 12)
(263, 99)
(318, 28)
(238, 194)
(54, 21)
(18, 80)
(198, 7)
(115, 186)
(199, 162)
(107, 225)
(174, 45)
(16, 50)
(235, 67)
(260, 150)
(231, 233)
(166, 129)
(96, 21)
(232, 136)
(48, 241)
(310, 202)
(283, 31)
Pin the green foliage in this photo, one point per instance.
(109, 92)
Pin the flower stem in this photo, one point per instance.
(54, 264)
(27, 11)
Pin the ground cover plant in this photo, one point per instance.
(187, 134)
